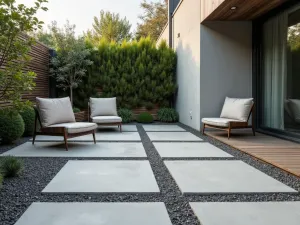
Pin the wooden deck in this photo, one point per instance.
(280, 153)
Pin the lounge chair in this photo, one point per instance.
(103, 111)
(235, 115)
(55, 117)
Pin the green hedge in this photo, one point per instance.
(167, 115)
(28, 116)
(145, 117)
(138, 73)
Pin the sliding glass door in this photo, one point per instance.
(280, 81)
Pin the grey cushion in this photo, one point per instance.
(55, 110)
(77, 127)
(103, 107)
(220, 122)
(237, 108)
(107, 119)
(295, 109)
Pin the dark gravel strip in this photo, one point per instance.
(177, 205)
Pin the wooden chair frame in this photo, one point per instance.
(119, 124)
(56, 131)
(234, 125)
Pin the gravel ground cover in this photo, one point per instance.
(18, 193)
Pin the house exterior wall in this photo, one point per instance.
(226, 64)
(186, 42)
(208, 6)
(164, 35)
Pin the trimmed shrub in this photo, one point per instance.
(167, 115)
(1, 180)
(145, 117)
(28, 116)
(11, 166)
(126, 115)
(76, 110)
(11, 126)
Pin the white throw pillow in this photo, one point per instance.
(103, 107)
(55, 110)
(237, 108)
(295, 109)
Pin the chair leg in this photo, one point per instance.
(66, 140)
(229, 130)
(94, 137)
(33, 138)
(120, 127)
(203, 128)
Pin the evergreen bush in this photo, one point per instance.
(76, 110)
(138, 73)
(167, 115)
(126, 115)
(11, 125)
(145, 117)
(1, 180)
(11, 166)
(28, 116)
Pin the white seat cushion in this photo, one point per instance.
(77, 127)
(103, 107)
(237, 108)
(55, 110)
(221, 122)
(107, 119)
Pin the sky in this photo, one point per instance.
(82, 12)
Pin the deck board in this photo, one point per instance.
(278, 152)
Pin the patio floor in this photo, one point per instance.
(154, 174)
(278, 152)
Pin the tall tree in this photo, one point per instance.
(294, 37)
(110, 27)
(44, 37)
(70, 64)
(154, 19)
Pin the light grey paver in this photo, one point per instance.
(222, 176)
(188, 150)
(79, 149)
(172, 136)
(100, 136)
(163, 128)
(95, 214)
(125, 128)
(247, 213)
(106, 176)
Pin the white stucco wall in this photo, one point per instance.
(186, 22)
(164, 35)
(226, 64)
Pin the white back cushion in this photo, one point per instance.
(237, 108)
(103, 107)
(55, 110)
(295, 109)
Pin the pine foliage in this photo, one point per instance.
(137, 73)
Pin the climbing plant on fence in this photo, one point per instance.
(138, 73)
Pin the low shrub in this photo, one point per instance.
(11, 166)
(11, 126)
(126, 115)
(167, 115)
(1, 180)
(76, 110)
(145, 117)
(28, 116)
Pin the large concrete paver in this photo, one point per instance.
(100, 136)
(172, 136)
(247, 213)
(222, 176)
(163, 128)
(78, 149)
(104, 176)
(95, 214)
(188, 150)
